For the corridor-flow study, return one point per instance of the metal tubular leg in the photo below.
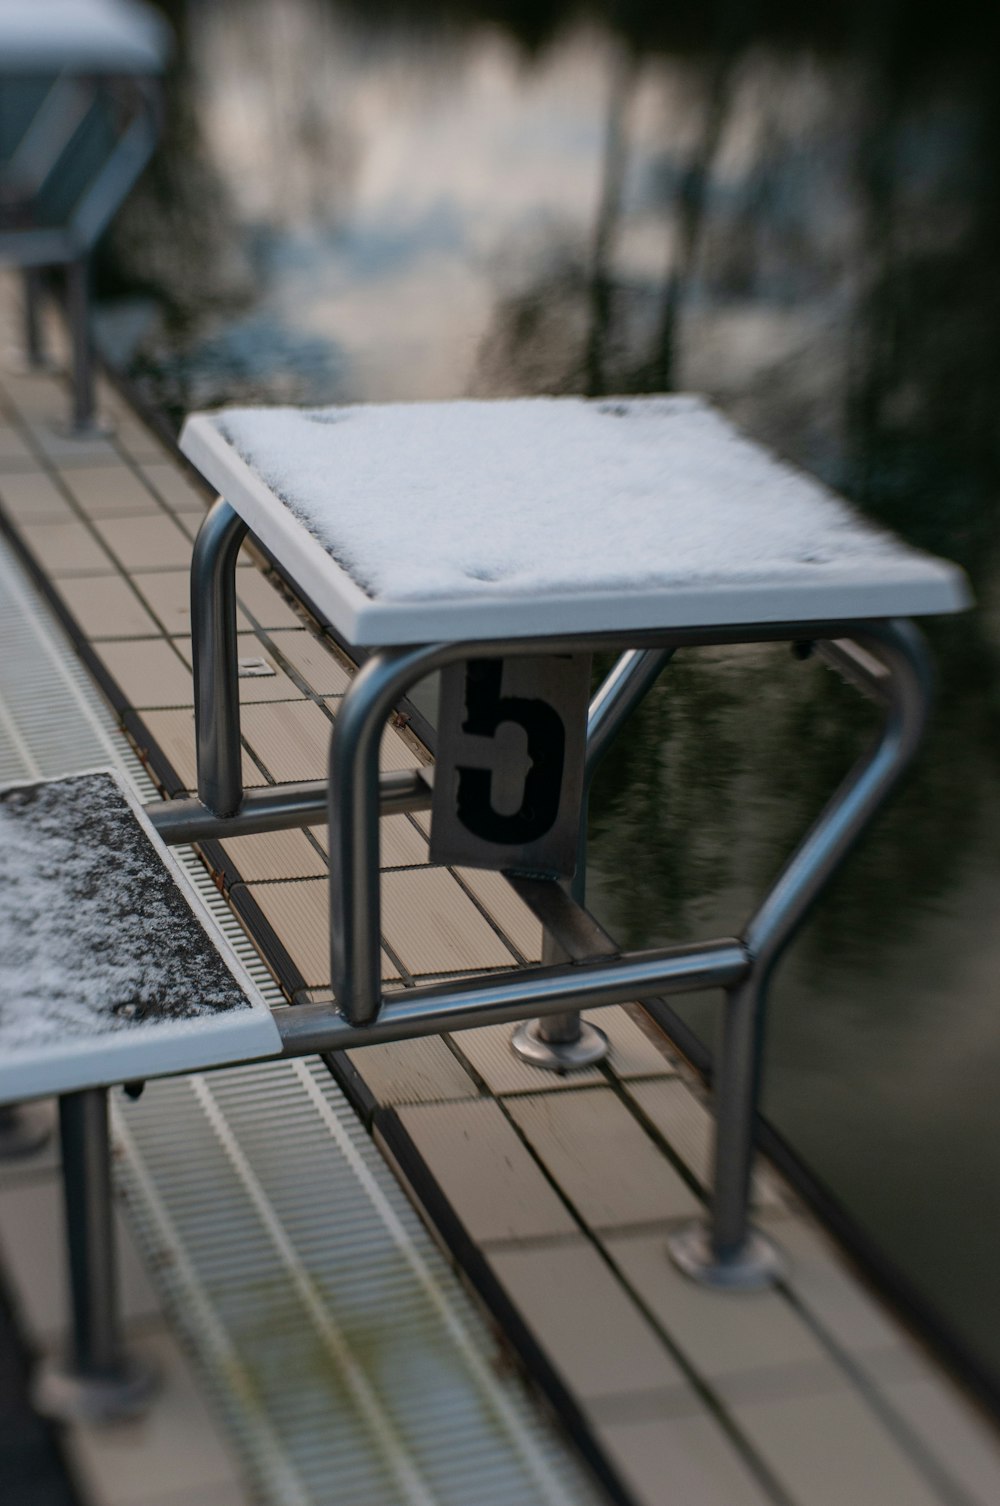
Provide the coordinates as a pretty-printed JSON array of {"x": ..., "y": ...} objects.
[
  {"x": 565, "y": 1042},
  {"x": 83, "y": 1125},
  {"x": 729, "y": 1252},
  {"x": 559, "y": 1042},
  {"x": 78, "y": 305},
  {"x": 98, "y": 1382},
  {"x": 34, "y": 349},
  {"x": 355, "y": 909},
  {"x": 216, "y": 675}
]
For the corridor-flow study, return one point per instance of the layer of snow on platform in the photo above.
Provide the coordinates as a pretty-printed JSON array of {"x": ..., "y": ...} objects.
[
  {"x": 94, "y": 935},
  {"x": 84, "y": 36},
  {"x": 552, "y": 495}
]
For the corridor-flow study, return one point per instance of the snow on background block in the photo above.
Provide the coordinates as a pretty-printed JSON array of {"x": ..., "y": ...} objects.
[
  {"x": 106, "y": 971},
  {"x": 82, "y": 36}
]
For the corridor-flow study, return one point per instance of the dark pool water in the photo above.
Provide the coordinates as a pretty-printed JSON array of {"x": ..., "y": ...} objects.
[{"x": 800, "y": 218}]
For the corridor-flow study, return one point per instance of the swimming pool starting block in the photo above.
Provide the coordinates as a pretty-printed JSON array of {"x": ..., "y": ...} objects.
[{"x": 503, "y": 543}]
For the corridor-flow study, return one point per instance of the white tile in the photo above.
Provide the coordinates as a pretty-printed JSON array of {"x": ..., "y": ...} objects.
[
  {"x": 171, "y": 1451},
  {"x": 218, "y": 1493},
  {"x": 33, "y": 497},
  {"x": 635, "y": 1052},
  {"x": 595, "y": 1150},
  {"x": 65, "y": 548},
  {"x": 962, "y": 1441},
  {"x": 132, "y": 435},
  {"x": 299, "y": 913},
  {"x": 584, "y": 1318},
  {"x": 433, "y": 926},
  {"x": 275, "y": 686},
  {"x": 149, "y": 672},
  {"x": 38, "y": 394},
  {"x": 401, "y": 844},
  {"x": 275, "y": 855},
  {"x": 830, "y": 1450},
  {"x": 722, "y": 1334},
  {"x": 509, "y": 912},
  {"x": 317, "y": 662},
  {"x": 108, "y": 491},
  {"x": 419, "y": 1071},
  {"x": 105, "y": 606},
  {"x": 827, "y": 1287},
  {"x": 173, "y": 487},
  {"x": 485, "y": 1172},
  {"x": 191, "y": 522},
  {"x": 54, "y": 436},
  {"x": 150, "y": 542},
  {"x": 173, "y": 731},
  {"x": 292, "y": 740},
  {"x": 488, "y": 1048},
  {"x": 14, "y": 453},
  {"x": 683, "y": 1461},
  {"x": 686, "y": 1124},
  {"x": 264, "y": 602},
  {"x": 33, "y": 1256}
]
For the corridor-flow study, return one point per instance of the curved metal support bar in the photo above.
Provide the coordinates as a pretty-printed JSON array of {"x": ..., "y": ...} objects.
[
  {"x": 355, "y": 909},
  {"x": 354, "y": 875},
  {"x": 892, "y": 661},
  {"x": 905, "y": 691},
  {"x": 626, "y": 684},
  {"x": 132, "y": 151},
  {"x": 216, "y": 682},
  {"x": 310, "y": 1028}
]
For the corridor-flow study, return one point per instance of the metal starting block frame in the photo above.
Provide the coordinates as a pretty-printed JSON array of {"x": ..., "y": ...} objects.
[{"x": 885, "y": 658}]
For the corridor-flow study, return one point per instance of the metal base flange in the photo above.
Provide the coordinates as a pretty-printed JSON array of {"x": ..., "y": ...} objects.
[
  {"x": 18, "y": 363},
  {"x": 590, "y": 1046},
  {"x": 66, "y": 1396},
  {"x": 756, "y": 1266},
  {"x": 25, "y": 1129},
  {"x": 101, "y": 426}
]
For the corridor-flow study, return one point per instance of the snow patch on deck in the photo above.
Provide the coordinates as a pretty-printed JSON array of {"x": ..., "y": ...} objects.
[{"x": 95, "y": 936}]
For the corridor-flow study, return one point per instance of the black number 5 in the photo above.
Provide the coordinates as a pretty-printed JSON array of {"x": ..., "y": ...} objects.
[{"x": 486, "y": 709}]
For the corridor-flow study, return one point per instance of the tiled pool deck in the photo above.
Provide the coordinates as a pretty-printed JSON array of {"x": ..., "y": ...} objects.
[{"x": 558, "y": 1191}]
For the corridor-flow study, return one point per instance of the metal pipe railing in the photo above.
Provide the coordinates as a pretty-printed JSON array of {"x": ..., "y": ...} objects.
[
  {"x": 280, "y": 807},
  {"x": 890, "y": 662},
  {"x": 886, "y": 660},
  {"x": 310, "y": 1028},
  {"x": 213, "y": 653}
]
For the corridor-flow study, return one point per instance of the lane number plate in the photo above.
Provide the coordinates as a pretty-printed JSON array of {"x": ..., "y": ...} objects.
[{"x": 509, "y": 777}]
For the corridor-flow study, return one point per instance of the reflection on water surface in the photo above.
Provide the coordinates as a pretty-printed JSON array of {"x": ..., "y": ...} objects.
[{"x": 420, "y": 201}]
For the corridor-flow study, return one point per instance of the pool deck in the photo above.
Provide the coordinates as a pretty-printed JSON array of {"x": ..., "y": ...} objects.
[{"x": 554, "y": 1195}]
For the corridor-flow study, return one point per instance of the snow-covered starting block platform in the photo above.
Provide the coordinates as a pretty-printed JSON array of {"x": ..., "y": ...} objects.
[
  {"x": 108, "y": 971},
  {"x": 411, "y": 523}
]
